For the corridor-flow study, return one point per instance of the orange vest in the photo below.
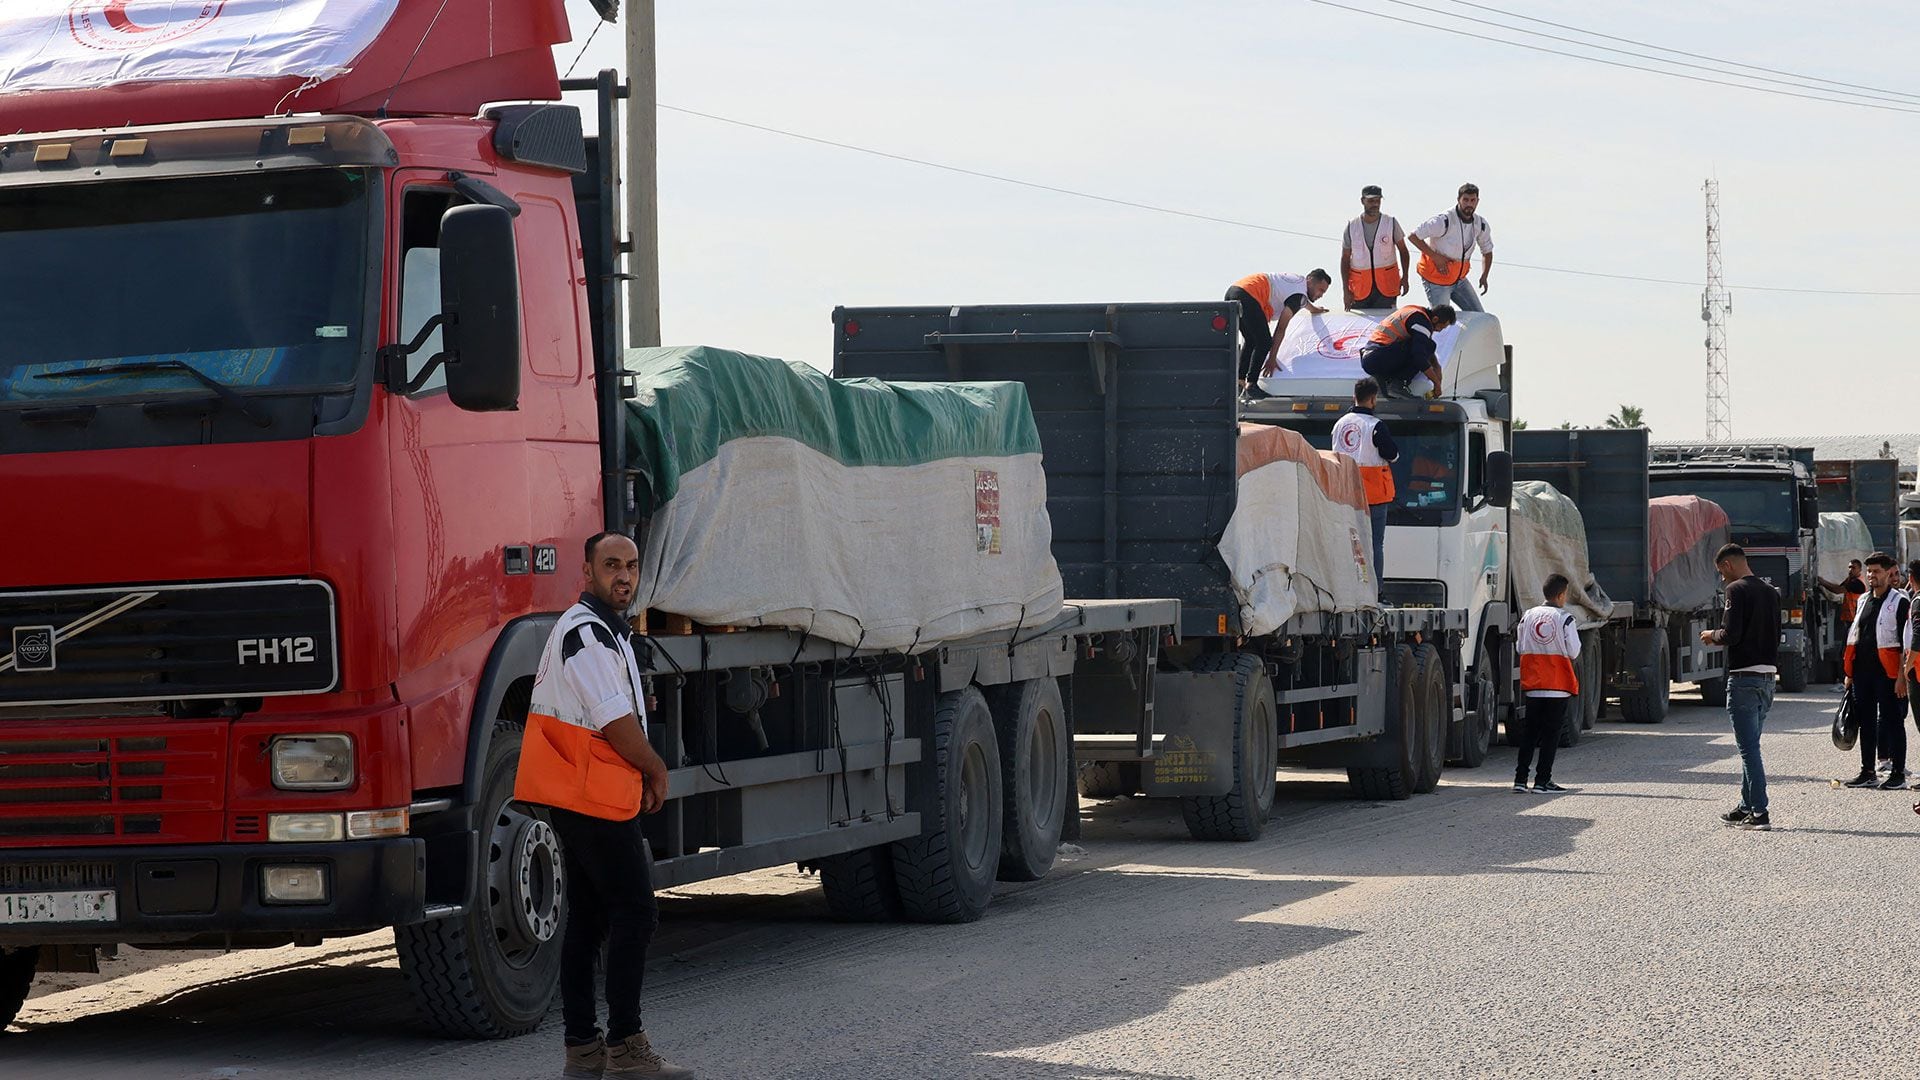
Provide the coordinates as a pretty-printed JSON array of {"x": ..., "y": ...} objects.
[
  {"x": 1546, "y": 661},
  {"x": 1353, "y": 436},
  {"x": 1395, "y": 328},
  {"x": 1456, "y": 268},
  {"x": 564, "y": 762},
  {"x": 1849, "y": 604},
  {"x": 1381, "y": 270},
  {"x": 1256, "y": 286}
]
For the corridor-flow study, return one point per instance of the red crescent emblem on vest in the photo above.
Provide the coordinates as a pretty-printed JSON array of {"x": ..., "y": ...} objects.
[{"x": 1543, "y": 631}]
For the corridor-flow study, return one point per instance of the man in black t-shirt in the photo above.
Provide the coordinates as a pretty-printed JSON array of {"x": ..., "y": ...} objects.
[{"x": 1751, "y": 633}]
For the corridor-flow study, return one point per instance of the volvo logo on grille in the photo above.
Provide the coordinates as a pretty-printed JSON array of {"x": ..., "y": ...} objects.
[{"x": 33, "y": 648}]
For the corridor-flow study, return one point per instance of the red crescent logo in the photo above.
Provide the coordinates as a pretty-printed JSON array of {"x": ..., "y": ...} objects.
[
  {"x": 106, "y": 24},
  {"x": 1543, "y": 631},
  {"x": 1344, "y": 345}
]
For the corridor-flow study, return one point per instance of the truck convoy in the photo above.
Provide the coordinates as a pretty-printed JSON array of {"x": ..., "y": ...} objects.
[
  {"x": 1652, "y": 559},
  {"x": 304, "y": 507}
]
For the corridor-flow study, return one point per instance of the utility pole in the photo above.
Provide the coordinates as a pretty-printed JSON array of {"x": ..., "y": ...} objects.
[
  {"x": 642, "y": 190},
  {"x": 1716, "y": 303}
]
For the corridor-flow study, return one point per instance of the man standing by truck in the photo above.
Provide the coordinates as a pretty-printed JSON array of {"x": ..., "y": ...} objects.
[
  {"x": 1751, "y": 633},
  {"x": 587, "y": 759},
  {"x": 1401, "y": 347},
  {"x": 1848, "y": 591},
  {"x": 1362, "y": 436},
  {"x": 1548, "y": 643},
  {"x": 1446, "y": 242},
  {"x": 1875, "y": 675},
  {"x": 1263, "y": 299},
  {"x": 1369, "y": 272}
]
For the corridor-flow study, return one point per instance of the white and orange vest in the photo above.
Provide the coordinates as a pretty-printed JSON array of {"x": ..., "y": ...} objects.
[
  {"x": 1376, "y": 268},
  {"x": 1886, "y": 634},
  {"x": 564, "y": 761},
  {"x": 1456, "y": 268},
  {"x": 1353, "y": 437},
  {"x": 1272, "y": 290},
  {"x": 1397, "y": 326},
  {"x": 1548, "y": 644}
]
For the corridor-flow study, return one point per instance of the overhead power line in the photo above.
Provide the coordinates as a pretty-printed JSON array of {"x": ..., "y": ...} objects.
[
  {"x": 1196, "y": 216},
  {"x": 1616, "y": 63}
]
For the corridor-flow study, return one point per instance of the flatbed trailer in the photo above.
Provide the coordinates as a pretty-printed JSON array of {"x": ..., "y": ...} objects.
[{"x": 1139, "y": 418}]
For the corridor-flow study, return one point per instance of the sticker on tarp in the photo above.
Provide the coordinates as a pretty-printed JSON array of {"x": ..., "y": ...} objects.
[
  {"x": 1359, "y": 556},
  {"x": 986, "y": 511}
]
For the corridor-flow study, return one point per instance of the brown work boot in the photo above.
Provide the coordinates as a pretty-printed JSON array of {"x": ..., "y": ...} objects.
[
  {"x": 635, "y": 1057},
  {"x": 586, "y": 1061}
]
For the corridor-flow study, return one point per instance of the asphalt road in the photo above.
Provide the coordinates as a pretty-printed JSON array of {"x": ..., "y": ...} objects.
[{"x": 1619, "y": 930}]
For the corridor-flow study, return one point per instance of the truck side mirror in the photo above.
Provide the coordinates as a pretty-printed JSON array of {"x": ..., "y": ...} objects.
[
  {"x": 1499, "y": 478},
  {"x": 480, "y": 299},
  {"x": 1810, "y": 509}
]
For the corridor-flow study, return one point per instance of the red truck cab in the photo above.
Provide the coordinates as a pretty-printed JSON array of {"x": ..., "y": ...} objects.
[{"x": 272, "y": 577}]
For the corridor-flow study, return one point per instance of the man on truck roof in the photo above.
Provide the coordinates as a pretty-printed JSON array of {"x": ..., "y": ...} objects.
[
  {"x": 587, "y": 759},
  {"x": 1265, "y": 298},
  {"x": 1446, "y": 242},
  {"x": 1369, "y": 273},
  {"x": 1363, "y": 437},
  {"x": 1401, "y": 347}
]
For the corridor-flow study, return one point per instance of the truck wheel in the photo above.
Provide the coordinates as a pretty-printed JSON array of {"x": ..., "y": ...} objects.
[
  {"x": 1035, "y": 761},
  {"x": 1713, "y": 693},
  {"x": 1109, "y": 779},
  {"x": 1648, "y": 705},
  {"x": 1395, "y": 781},
  {"x": 1793, "y": 672},
  {"x": 1476, "y": 742},
  {"x": 1436, "y": 713},
  {"x": 1593, "y": 680},
  {"x": 490, "y": 973},
  {"x": 859, "y": 885},
  {"x": 1241, "y": 814},
  {"x": 946, "y": 873},
  {"x": 16, "y": 978}
]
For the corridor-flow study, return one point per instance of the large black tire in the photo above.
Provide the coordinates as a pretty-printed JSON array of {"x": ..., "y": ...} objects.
[
  {"x": 1713, "y": 693},
  {"x": 1036, "y": 762},
  {"x": 1793, "y": 672},
  {"x": 1649, "y": 704},
  {"x": 16, "y": 978},
  {"x": 491, "y": 973},
  {"x": 1109, "y": 779},
  {"x": 1476, "y": 742},
  {"x": 1593, "y": 680},
  {"x": 1241, "y": 814},
  {"x": 945, "y": 874},
  {"x": 1436, "y": 715},
  {"x": 859, "y": 885},
  {"x": 1381, "y": 783}
]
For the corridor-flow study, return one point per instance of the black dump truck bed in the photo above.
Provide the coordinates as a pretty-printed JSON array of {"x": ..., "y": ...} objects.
[{"x": 1604, "y": 472}]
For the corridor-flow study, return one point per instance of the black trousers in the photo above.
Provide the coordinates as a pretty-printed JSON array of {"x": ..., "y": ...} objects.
[
  {"x": 1399, "y": 362},
  {"x": 1545, "y": 716},
  {"x": 1256, "y": 337},
  {"x": 609, "y": 901},
  {"x": 1882, "y": 716}
]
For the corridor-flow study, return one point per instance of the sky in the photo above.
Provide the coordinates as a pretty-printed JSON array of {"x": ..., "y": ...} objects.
[{"x": 1276, "y": 114}]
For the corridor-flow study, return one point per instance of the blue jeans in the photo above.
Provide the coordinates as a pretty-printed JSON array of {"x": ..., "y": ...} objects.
[
  {"x": 1748, "y": 699},
  {"x": 1378, "y": 512},
  {"x": 1460, "y": 294}
]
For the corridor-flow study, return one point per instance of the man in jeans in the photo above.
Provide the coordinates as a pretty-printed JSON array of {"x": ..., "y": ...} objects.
[
  {"x": 1447, "y": 242},
  {"x": 1362, "y": 436},
  {"x": 1752, "y": 636}
]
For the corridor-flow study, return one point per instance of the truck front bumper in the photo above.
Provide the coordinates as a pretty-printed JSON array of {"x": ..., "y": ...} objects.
[{"x": 214, "y": 893}]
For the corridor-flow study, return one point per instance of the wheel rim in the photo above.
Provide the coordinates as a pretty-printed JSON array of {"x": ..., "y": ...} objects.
[
  {"x": 971, "y": 805},
  {"x": 525, "y": 881},
  {"x": 1485, "y": 700},
  {"x": 1043, "y": 780},
  {"x": 1264, "y": 780}
]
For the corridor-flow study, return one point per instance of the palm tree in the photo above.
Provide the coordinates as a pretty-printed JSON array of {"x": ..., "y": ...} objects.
[
  {"x": 1628, "y": 416},
  {"x": 1519, "y": 425}
]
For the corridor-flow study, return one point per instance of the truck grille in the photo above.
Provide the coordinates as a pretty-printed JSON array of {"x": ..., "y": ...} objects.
[
  {"x": 148, "y": 783},
  {"x": 166, "y": 642}
]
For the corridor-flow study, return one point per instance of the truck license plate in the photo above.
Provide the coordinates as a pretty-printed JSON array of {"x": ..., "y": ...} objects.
[{"x": 58, "y": 907}]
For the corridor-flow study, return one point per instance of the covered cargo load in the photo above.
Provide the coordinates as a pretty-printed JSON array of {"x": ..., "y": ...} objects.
[
  {"x": 1843, "y": 537},
  {"x": 1683, "y": 534},
  {"x": 1320, "y": 355},
  {"x": 872, "y": 514},
  {"x": 1548, "y": 536},
  {"x": 1299, "y": 538}
]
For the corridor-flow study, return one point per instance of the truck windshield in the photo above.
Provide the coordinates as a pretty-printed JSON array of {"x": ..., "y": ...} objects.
[
  {"x": 1754, "y": 504},
  {"x": 257, "y": 281},
  {"x": 1427, "y": 476}
]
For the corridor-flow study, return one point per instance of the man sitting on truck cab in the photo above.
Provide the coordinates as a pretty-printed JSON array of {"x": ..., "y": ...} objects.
[
  {"x": 1401, "y": 347},
  {"x": 1265, "y": 298},
  {"x": 1363, "y": 437}
]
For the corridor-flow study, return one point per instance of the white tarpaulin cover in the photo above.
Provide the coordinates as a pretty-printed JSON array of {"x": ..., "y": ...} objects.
[
  {"x": 1328, "y": 347},
  {"x": 1299, "y": 539},
  {"x": 1550, "y": 537},
  {"x": 871, "y": 514},
  {"x": 72, "y": 44},
  {"x": 1843, "y": 537}
]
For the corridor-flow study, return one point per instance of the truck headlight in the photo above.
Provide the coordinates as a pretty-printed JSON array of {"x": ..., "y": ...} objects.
[{"x": 312, "y": 762}]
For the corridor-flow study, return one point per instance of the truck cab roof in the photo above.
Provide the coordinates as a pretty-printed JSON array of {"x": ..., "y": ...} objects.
[{"x": 1323, "y": 355}]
